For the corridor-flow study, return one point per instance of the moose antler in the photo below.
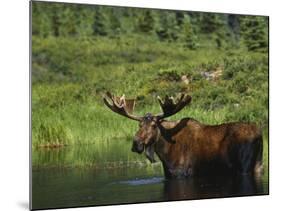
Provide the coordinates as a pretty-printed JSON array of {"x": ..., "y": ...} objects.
[
  {"x": 170, "y": 106},
  {"x": 119, "y": 106}
]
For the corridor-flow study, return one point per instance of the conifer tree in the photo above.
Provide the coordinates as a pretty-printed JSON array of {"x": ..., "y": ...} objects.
[
  {"x": 163, "y": 27},
  {"x": 233, "y": 23},
  {"x": 174, "y": 29},
  {"x": 115, "y": 23},
  {"x": 214, "y": 25},
  {"x": 211, "y": 23},
  {"x": 68, "y": 21},
  {"x": 99, "y": 25},
  {"x": 55, "y": 10},
  {"x": 254, "y": 32},
  {"x": 41, "y": 19},
  {"x": 146, "y": 21},
  {"x": 85, "y": 21},
  {"x": 168, "y": 28},
  {"x": 180, "y": 18},
  {"x": 189, "y": 36}
]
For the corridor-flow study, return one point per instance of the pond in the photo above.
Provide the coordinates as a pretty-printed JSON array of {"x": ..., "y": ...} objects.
[{"x": 109, "y": 173}]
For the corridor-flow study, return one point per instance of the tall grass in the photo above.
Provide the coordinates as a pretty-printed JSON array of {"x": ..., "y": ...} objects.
[
  {"x": 99, "y": 155},
  {"x": 86, "y": 124},
  {"x": 67, "y": 107}
]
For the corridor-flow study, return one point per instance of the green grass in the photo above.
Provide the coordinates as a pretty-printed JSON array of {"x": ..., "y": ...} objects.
[
  {"x": 67, "y": 85},
  {"x": 97, "y": 123},
  {"x": 107, "y": 154}
]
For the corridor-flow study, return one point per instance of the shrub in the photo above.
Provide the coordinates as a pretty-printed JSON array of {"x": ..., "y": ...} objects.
[{"x": 169, "y": 75}]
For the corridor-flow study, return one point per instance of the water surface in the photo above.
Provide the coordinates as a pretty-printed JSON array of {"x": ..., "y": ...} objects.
[{"x": 109, "y": 173}]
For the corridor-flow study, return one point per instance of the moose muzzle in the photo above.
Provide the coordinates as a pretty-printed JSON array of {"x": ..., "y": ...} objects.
[{"x": 137, "y": 146}]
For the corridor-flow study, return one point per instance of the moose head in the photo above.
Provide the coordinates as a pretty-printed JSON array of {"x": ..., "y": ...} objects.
[{"x": 150, "y": 128}]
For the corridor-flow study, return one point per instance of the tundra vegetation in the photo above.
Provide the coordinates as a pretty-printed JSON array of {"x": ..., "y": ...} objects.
[{"x": 81, "y": 51}]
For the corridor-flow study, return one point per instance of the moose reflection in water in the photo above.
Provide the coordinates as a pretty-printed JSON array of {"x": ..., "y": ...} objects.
[
  {"x": 212, "y": 187},
  {"x": 58, "y": 172},
  {"x": 187, "y": 147}
]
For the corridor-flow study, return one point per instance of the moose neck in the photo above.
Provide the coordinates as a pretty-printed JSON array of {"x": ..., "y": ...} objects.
[
  {"x": 167, "y": 132},
  {"x": 168, "y": 129},
  {"x": 166, "y": 138}
]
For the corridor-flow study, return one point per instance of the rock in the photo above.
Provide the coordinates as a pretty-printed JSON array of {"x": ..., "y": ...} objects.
[
  {"x": 214, "y": 75},
  {"x": 185, "y": 79}
]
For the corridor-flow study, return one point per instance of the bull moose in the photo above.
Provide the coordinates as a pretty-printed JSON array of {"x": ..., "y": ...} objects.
[{"x": 187, "y": 147}]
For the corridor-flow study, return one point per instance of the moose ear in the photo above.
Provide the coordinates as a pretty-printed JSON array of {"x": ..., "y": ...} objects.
[{"x": 149, "y": 153}]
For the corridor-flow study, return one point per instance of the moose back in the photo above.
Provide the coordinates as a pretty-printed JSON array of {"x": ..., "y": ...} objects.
[{"x": 187, "y": 147}]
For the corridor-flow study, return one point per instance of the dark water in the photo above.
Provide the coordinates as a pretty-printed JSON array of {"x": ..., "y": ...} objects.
[{"x": 100, "y": 175}]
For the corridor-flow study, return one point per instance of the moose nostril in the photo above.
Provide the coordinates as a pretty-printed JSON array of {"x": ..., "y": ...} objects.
[
  {"x": 135, "y": 144},
  {"x": 135, "y": 147}
]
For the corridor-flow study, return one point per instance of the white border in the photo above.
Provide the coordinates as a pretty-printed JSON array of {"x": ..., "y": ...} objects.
[{"x": 14, "y": 115}]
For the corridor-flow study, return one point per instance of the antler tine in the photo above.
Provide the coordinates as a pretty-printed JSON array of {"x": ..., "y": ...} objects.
[
  {"x": 118, "y": 108},
  {"x": 170, "y": 106}
]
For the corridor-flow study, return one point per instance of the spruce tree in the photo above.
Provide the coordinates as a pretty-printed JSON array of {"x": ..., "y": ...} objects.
[
  {"x": 189, "y": 36},
  {"x": 68, "y": 21},
  {"x": 215, "y": 26},
  {"x": 115, "y": 23},
  {"x": 168, "y": 28},
  {"x": 146, "y": 21},
  {"x": 35, "y": 19},
  {"x": 99, "y": 25},
  {"x": 180, "y": 18},
  {"x": 85, "y": 21},
  {"x": 41, "y": 19},
  {"x": 233, "y": 23},
  {"x": 254, "y": 32},
  {"x": 174, "y": 29},
  {"x": 211, "y": 22},
  {"x": 55, "y": 11},
  {"x": 163, "y": 27}
]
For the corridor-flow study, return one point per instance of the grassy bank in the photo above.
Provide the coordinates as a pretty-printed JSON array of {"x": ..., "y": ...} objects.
[
  {"x": 67, "y": 85},
  {"x": 96, "y": 123},
  {"x": 81, "y": 51}
]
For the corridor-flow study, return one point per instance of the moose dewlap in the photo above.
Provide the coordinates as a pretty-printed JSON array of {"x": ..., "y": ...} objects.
[{"x": 187, "y": 147}]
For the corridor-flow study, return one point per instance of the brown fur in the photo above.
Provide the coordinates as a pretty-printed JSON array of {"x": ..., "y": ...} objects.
[
  {"x": 199, "y": 148},
  {"x": 187, "y": 147}
]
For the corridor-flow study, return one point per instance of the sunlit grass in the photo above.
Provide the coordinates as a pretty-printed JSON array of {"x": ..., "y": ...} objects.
[
  {"x": 67, "y": 88},
  {"x": 89, "y": 123}
]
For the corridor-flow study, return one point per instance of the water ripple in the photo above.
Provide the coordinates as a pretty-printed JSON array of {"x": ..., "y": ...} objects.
[{"x": 146, "y": 181}]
